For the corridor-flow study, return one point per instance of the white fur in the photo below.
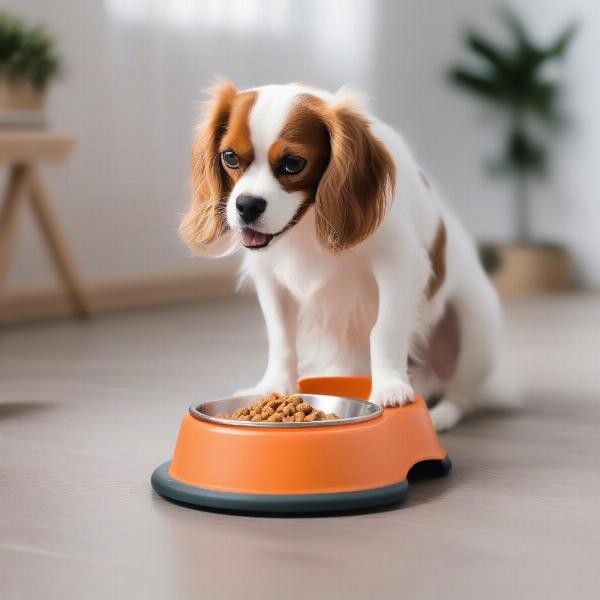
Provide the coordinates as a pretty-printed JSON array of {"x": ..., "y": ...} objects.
[{"x": 364, "y": 309}]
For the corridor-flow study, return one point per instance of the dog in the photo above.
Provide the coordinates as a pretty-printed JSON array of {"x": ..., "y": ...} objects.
[{"x": 358, "y": 264}]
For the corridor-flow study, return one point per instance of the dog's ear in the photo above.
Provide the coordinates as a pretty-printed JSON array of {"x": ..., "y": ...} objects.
[
  {"x": 205, "y": 221},
  {"x": 355, "y": 189}
]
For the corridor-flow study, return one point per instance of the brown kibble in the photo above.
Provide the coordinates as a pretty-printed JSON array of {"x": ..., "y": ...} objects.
[
  {"x": 277, "y": 408},
  {"x": 267, "y": 412}
]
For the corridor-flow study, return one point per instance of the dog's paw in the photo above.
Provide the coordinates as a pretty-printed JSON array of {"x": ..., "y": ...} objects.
[
  {"x": 445, "y": 415},
  {"x": 397, "y": 393},
  {"x": 264, "y": 388}
]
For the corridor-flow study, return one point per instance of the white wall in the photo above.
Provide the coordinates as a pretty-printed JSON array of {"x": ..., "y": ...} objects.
[{"x": 134, "y": 70}]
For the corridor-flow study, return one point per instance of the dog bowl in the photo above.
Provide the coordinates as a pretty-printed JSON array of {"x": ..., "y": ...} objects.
[{"x": 361, "y": 460}]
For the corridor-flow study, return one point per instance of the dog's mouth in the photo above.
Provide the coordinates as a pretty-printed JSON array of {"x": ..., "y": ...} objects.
[{"x": 255, "y": 239}]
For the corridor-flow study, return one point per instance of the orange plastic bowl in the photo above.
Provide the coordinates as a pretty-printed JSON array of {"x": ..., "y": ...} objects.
[{"x": 355, "y": 463}]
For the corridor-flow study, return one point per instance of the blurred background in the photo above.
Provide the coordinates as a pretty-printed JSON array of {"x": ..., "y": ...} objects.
[{"x": 132, "y": 73}]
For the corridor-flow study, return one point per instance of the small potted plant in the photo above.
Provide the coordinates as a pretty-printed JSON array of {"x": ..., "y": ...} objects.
[
  {"x": 515, "y": 80},
  {"x": 28, "y": 62}
]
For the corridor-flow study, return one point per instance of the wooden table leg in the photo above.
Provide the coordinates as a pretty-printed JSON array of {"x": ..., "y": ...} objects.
[
  {"x": 57, "y": 245},
  {"x": 9, "y": 214}
]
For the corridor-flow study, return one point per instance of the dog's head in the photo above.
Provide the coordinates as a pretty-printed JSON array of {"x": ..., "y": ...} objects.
[{"x": 264, "y": 156}]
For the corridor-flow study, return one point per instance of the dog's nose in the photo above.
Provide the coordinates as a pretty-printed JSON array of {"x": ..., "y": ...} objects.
[{"x": 250, "y": 207}]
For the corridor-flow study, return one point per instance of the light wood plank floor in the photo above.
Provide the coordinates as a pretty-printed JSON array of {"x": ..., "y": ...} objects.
[{"x": 88, "y": 411}]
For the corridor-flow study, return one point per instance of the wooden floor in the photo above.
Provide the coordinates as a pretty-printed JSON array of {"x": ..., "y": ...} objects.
[{"x": 88, "y": 411}]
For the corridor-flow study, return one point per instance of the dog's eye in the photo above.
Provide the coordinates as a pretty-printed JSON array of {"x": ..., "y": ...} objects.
[
  {"x": 230, "y": 159},
  {"x": 292, "y": 165}
]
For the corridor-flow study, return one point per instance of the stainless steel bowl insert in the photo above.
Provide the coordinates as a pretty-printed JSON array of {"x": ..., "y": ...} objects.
[{"x": 348, "y": 409}]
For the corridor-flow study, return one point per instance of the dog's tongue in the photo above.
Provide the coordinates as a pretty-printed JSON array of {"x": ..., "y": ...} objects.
[{"x": 252, "y": 238}]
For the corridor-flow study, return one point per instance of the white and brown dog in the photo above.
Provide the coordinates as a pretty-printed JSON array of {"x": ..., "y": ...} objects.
[{"x": 357, "y": 263}]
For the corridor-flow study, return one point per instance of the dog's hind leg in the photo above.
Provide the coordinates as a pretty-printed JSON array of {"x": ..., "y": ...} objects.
[{"x": 478, "y": 324}]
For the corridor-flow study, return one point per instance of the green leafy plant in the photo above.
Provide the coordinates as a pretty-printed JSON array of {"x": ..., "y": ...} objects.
[
  {"x": 27, "y": 52},
  {"x": 515, "y": 79}
]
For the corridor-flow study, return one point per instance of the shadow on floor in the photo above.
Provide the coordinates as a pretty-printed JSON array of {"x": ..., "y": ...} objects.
[{"x": 10, "y": 410}]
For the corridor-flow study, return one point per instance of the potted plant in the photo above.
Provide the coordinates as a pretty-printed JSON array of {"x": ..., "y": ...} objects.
[
  {"x": 28, "y": 62},
  {"x": 515, "y": 80}
]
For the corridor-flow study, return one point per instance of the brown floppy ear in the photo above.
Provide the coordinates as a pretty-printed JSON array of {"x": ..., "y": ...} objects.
[
  {"x": 355, "y": 189},
  {"x": 205, "y": 221}
]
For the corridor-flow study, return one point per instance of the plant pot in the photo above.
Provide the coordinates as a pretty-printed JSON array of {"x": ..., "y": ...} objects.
[
  {"x": 17, "y": 93},
  {"x": 522, "y": 269}
]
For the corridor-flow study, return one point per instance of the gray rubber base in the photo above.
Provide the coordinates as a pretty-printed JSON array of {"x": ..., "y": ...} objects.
[{"x": 172, "y": 489}]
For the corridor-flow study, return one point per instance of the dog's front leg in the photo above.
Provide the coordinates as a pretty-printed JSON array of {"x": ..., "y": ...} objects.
[
  {"x": 401, "y": 275},
  {"x": 280, "y": 313}
]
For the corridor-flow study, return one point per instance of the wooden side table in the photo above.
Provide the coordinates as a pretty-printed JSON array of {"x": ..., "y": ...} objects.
[{"x": 22, "y": 152}]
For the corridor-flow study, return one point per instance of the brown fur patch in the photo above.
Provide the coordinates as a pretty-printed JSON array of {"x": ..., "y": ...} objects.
[
  {"x": 354, "y": 190},
  {"x": 228, "y": 116},
  {"x": 437, "y": 258},
  {"x": 444, "y": 345},
  {"x": 304, "y": 135},
  {"x": 237, "y": 136}
]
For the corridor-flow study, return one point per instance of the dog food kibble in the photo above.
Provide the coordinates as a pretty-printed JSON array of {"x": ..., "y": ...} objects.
[
  {"x": 277, "y": 408},
  {"x": 267, "y": 412}
]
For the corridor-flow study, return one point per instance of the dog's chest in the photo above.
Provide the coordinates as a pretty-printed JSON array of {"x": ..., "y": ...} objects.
[
  {"x": 304, "y": 274},
  {"x": 336, "y": 292}
]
